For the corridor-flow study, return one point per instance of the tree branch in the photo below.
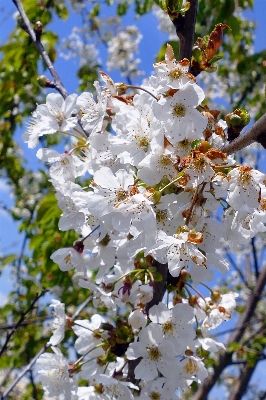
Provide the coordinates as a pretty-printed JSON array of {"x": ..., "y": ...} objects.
[
  {"x": 225, "y": 358},
  {"x": 185, "y": 29},
  {"x": 58, "y": 85},
  {"x": 158, "y": 293},
  {"x": 245, "y": 139},
  {"x": 20, "y": 376},
  {"x": 24, "y": 323},
  {"x": 240, "y": 385},
  {"x": 30, "y": 365},
  {"x": 8, "y": 337}
]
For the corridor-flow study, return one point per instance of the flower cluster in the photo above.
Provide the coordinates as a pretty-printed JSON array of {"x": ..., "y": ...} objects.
[
  {"x": 121, "y": 52},
  {"x": 158, "y": 182}
]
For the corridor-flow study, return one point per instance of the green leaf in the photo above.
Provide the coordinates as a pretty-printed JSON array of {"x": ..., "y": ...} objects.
[
  {"x": 161, "y": 4},
  {"x": 216, "y": 58},
  {"x": 61, "y": 9},
  {"x": 7, "y": 260},
  {"x": 95, "y": 10},
  {"x": 234, "y": 346},
  {"x": 122, "y": 8},
  {"x": 143, "y": 6}
]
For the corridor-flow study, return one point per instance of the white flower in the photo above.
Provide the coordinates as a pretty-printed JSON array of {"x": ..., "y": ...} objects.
[
  {"x": 159, "y": 389},
  {"x": 54, "y": 375},
  {"x": 244, "y": 187},
  {"x": 157, "y": 353},
  {"x": 121, "y": 49},
  {"x": 55, "y": 115},
  {"x": 87, "y": 341},
  {"x": 137, "y": 319},
  {"x": 93, "y": 113},
  {"x": 193, "y": 368},
  {"x": 59, "y": 322},
  {"x": 66, "y": 167},
  {"x": 221, "y": 310},
  {"x": 173, "y": 74},
  {"x": 181, "y": 119},
  {"x": 110, "y": 191},
  {"x": 156, "y": 165},
  {"x": 69, "y": 258},
  {"x": 178, "y": 250},
  {"x": 100, "y": 297},
  {"x": 175, "y": 324},
  {"x": 71, "y": 217},
  {"x": 110, "y": 389}
]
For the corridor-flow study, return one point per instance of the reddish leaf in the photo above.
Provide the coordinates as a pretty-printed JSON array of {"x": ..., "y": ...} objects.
[{"x": 215, "y": 40}]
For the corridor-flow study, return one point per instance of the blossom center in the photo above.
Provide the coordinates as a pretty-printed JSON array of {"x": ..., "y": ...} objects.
[
  {"x": 67, "y": 258},
  {"x": 244, "y": 174},
  {"x": 121, "y": 194},
  {"x": 199, "y": 163},
  {"x": 154, "y": 396},
  {"x": 168, "y": 328},
  {"x": 161, "y": 215},
  {"x": 175, "y": 73},
  {"x": 179, "y": 110},
  {"x": 143, "y": 141},
  {"x": 154, "y": 353},
  {"x": 191, "y": 367},
  {"x": 165, "y": 159}
]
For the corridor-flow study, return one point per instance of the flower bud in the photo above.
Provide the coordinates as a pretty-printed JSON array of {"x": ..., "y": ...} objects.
[
  {"x": 38, "y": 29},
  {"x": 137, "y": 319},
  {"x": 236, "y": 121}
]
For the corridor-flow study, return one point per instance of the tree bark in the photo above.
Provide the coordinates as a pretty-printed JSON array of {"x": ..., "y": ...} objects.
[
  {"x": 185, "y": 30},
  {"x": 240, "y": 386}
]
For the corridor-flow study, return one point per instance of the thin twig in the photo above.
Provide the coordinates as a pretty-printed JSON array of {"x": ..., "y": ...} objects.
[
  {"x": 37, "y": 42},
  {"x": 20, "y": 376},
  {"x": 255, "y": 258},
  {"x": 24, "y": 323},
  {"x": 81, "y": 307},
  {"x": 193, "y": 201},
  {"x": 8, "y": 337},
  {"x": 225, "y": 358},
  {"x": 249, "y": 323},
  {"x": 234, "y": 265},
  {"x": 30, "y": 365}
]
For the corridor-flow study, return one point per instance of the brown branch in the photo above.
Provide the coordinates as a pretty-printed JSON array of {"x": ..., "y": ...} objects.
[
  {"x": 158, "y": 293},
  {"x": 225, "y": 358},
  {"x": 245, "y": 139},
  {"x": 20, "y": 376},
  {"x": 24, "y": 323},
  {"x": 185, "y": 29},
  {"x": 8, "y": 337},
  {"x": 30, "y": 365},
  {"x": 58, "y": 85},
  {"x": 159, "y": 287},
  {"x": 240, "y": 385}
]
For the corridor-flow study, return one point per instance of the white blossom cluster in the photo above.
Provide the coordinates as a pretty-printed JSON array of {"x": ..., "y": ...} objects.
[
  {"x": 158, "y": 179},
  {"x": 121, "y": 52},
  {"x": 76, "y": 46},
  {"x": 165, "y": 24}
]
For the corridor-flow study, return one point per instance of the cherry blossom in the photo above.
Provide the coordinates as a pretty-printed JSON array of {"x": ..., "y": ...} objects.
[
  {"x": 55, "y": 375},
  {"x": 55, "y": 115},
  {"x": 58, "y": 323},
  {"x": 158, "y": 185}
]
